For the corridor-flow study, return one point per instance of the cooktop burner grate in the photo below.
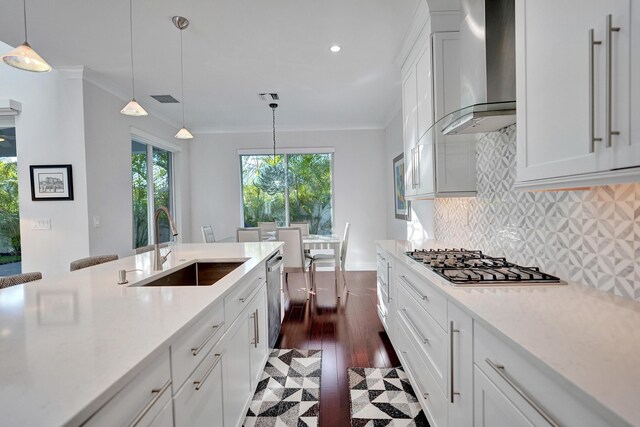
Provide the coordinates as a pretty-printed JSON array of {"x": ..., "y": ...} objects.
[{"x": 461, "y": 266}]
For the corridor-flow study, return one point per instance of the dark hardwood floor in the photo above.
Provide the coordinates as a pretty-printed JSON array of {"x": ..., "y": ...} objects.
[{"x": 349, "y": 335}]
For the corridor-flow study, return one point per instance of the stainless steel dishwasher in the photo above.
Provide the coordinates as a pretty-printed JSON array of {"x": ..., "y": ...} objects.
[{"x": 274, "y": 296}]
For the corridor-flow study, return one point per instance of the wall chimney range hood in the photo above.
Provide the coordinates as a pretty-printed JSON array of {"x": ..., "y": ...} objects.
[{"x": 487, "y": 68}]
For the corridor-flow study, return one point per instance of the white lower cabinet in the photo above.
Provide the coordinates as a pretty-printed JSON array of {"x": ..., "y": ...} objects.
[
  {"x": 144, "y": 401},
  {"x": 199, "y": 402},
  {"x": 386, "y": 292},
  {"x": 259, "y": 336},
  {"x": 460, "y": 367}
]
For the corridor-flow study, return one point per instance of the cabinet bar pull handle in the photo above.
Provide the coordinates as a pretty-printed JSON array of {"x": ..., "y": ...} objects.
[
  {"x": 424, "y": 395},
  {"x": 592, "y": 112},
  {"x": 257, "y": 327},
  {"x": 452, "y": 330},
  {"x": 157, "y": 393},
  {"x": 500, "y": 370},
  {"x": 413, "y": 287},
  {"x": 609, "y": 81},
  {"x": 200, "y": 383},
  {"x": 243, "y": 299},
  {"x": 413, "y": 326},
  {"x": 198, "y": 349},
  {"x": 418, "y": 166}
]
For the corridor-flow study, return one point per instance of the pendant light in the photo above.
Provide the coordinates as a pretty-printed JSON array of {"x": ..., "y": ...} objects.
[
  {"x": 182, "y": 23},
  {"x": 273, "y": 112},
  {"x": 132, "y": 108},
  {"x": 23, "y": 57}
]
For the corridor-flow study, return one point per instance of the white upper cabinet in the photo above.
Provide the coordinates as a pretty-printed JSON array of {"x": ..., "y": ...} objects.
[
  {"x": 573, "y": 66},
  {"x": 436, "y": 165}
]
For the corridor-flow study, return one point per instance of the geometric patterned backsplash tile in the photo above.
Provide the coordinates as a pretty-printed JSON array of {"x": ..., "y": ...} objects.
[{"x": 590, "y": 237}]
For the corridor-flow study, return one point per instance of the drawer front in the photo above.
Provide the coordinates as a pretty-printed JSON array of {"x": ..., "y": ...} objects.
[
  {"x": 240, "y": 297},
  {"x": 141, "y": 400},
  {"x": 427, "y": 336},
  {"x": 424, "y": 385},
  {"x": 199, "y": 402},
  {"x": 535, "y": 393},
  {"x": 424, "y": 293},
  {"x": 192, "y": 346}
]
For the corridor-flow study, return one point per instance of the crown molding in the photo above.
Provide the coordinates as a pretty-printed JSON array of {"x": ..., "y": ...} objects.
[
  {"x": 267, "y": 129},
  {"x": 420, "y": 19}
]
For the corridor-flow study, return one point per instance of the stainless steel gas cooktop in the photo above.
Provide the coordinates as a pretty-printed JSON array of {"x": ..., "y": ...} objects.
[{"x": 465, "y": 267}]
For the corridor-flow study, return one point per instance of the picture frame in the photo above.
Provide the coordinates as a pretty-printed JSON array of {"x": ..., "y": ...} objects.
[
  {"x": 51, "y": 182},
  {"x": 402, "y": 207}
]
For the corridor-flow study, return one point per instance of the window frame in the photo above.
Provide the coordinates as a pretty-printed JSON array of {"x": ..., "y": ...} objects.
[
  {"x": 152, "y": 142},
  {"x": 286, "y": 152}
]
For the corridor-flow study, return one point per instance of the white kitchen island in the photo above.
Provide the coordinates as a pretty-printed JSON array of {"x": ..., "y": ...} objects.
[{"x": 69, "y": 344}]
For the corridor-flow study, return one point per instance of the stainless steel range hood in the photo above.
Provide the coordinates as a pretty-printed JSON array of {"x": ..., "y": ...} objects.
[{"x": 487, "y": 68}]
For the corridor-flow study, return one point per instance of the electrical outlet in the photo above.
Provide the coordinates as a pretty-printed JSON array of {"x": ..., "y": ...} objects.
[
  {"x": 41, "y": 224},
  {"x": 96, "y": 221}
]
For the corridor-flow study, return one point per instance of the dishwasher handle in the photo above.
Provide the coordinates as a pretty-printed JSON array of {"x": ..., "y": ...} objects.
[{"x": 274, "y": 263}]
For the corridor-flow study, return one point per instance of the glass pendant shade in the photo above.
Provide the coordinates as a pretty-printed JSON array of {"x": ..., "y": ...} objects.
[
  {"x": 184, "y": 134},
  {"x": 133, "y": 109},
  {"x": 25, "y": 58}
]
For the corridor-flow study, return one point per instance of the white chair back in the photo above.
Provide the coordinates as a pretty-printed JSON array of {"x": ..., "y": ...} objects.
[
  {"x": 267, "y": 226},
  {"x": 248, "y": 235},
  {"x": 303, "y": 226},
  {"x": 207, "y": 234},
  {"x": 293, "y": 250},
  {"x": 345, "y": 244}
]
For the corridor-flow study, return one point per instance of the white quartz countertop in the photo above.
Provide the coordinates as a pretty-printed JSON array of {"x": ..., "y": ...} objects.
[
  {"x": 589, "y": 339},
  {"x": 68, "y": 342}
]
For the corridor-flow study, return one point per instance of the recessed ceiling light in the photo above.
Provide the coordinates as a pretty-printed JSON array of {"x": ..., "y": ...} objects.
[{"x": 335, "y": 48}]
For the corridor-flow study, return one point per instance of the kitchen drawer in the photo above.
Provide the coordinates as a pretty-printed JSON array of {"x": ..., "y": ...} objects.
[
  {"x": 192, "y": 346},
  {"x": 424, "y": 293},
  {"x": 428, "y": 337},
  {"x": 425, "y": 387},
  {"x": 382, "y": 315},
  {"x": 200, "y": 402},
  {"x": 239, "y": 298},
  {"x": 535, "y": 393},
  {"x": 142, "y": 400}
]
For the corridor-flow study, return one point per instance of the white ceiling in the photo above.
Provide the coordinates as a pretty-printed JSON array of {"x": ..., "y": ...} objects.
[{"x": 234, "y": 49}]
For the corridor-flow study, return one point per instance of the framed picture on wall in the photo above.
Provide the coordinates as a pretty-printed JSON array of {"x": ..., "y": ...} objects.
[
  {"x": 402, "y": 207},
  {"x": 51, "y": 182}
]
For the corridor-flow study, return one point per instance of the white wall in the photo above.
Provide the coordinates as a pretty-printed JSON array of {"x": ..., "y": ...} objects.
[
  {"x": 360, "y": 173},
  {"x": 421, "y": 226},
  {"x": 108, "y": 157},
  {"x": 49, "y": 131}
]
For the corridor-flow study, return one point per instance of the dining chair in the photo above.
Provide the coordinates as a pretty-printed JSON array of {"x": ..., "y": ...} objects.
[
  {"x": 207, "y": 234},
  {"x": 293, "y": 258},
  {"x": 303, "y": 226},
  {"x": 18, "y": 279},
  {"x": 91, "y": 261},
  {"x": 149, "y": 248},
  {"x": 325, "y": 259},
  {"x": 248, "y": 235},
  {"x": 266, "y": 227}
]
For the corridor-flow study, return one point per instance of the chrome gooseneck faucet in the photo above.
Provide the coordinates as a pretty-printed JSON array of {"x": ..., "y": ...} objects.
[{"x": 158, "y": 260}]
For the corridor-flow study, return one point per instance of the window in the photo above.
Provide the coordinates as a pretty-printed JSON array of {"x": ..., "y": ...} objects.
[
  {"x": 152, "y": 184},
  {"x": 288, "y": 188},
  {"x": 10, "y": 246}
]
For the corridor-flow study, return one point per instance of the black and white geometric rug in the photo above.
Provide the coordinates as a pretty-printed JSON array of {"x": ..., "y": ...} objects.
[
  {"x": 288, "y": 393},
  {"x": 383, "y": 397}
]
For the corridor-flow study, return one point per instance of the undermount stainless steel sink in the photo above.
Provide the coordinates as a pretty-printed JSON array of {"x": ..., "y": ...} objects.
[{"x": 198, "y": 274}]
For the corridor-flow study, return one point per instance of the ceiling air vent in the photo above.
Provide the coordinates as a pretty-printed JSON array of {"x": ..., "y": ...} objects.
[
  {"x": 269, "y": 96},
  {"x": 165, "y": 99}
]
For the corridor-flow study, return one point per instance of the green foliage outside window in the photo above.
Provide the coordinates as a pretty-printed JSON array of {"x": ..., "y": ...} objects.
[
  {"x": 307, "y": 177},
  {"x": 9, "y": 209}
]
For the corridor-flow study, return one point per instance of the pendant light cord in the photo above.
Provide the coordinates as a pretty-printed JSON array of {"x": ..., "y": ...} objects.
[
  {"x": 133, "y": 85},
  {"x": 181, "y": 77},
  {"x": 273, "y": 110},
  {"x": 24, "y": 9}
]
